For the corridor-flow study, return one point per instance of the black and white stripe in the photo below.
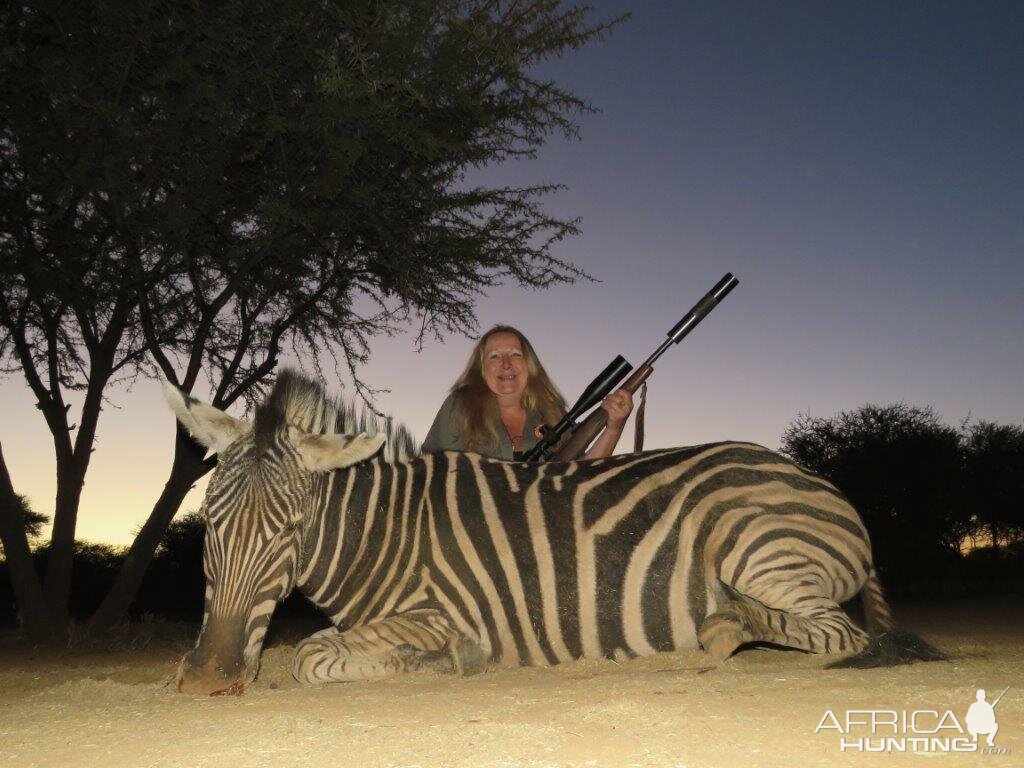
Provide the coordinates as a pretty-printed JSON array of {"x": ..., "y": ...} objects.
[{"x": 538, "y": 564}]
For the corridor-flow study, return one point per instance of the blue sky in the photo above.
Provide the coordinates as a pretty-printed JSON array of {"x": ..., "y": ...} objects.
[{"x": 859, "y": 166}]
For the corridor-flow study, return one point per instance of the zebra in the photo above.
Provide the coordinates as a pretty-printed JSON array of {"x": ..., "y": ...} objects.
[{"x": 452, "y": 561}]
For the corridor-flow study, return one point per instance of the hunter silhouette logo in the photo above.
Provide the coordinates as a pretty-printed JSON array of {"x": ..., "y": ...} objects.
[
  {"x": 981, "y": 717},
  {"x": 918, "y": 730}
]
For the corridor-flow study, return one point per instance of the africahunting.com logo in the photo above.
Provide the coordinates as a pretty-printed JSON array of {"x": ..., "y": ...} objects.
[{"x": 917, "y": 730}]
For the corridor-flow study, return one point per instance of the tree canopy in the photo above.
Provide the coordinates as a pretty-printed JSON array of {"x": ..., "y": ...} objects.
[
  {"x": 923, "y": 488},
  {"x": 994, "y": 479},
  {"x": 199, "y": 187}
]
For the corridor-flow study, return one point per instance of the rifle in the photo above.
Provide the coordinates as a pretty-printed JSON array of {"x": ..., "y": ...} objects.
[
  {"x": 1000, "y": 697},
  {"x": 583, "y": 434}
]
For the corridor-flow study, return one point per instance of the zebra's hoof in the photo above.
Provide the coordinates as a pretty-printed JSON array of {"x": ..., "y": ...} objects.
[
  {"x": 720, "y": 636},
  {"x": 467, "y": 658}
]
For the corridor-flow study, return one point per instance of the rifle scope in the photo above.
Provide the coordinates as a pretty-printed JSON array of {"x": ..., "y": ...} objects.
[{"x": 596, "y": 391}]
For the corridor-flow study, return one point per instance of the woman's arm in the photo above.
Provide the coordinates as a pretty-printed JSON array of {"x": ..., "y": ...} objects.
[{"x": 618, "y": 405}]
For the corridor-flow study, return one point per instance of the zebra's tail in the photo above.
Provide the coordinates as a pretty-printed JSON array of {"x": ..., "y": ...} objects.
[{"x": 888, "y": 645}]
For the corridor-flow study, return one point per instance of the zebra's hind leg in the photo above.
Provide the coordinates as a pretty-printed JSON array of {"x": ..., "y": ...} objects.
[
  {"x": 809, "y": 622},
  {"x": 421, "y": 639},
  {"x": 725, "y": 630}
]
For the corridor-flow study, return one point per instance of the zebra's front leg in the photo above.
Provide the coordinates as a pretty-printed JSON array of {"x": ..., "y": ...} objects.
[{"x": 421, "y": 639}]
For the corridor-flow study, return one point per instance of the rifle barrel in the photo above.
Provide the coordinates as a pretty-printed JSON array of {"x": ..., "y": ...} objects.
[
  {"x": 1000, "y": 696},
  {"x": 699, "y": 311}
]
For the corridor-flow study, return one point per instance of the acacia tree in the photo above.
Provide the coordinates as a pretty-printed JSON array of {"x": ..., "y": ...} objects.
[
  {"x": 900, "y": 467},
  {"x": 994, "y": 481},
  {"x": 68, "y": 316},
  {"x": 216, "y": 183}
]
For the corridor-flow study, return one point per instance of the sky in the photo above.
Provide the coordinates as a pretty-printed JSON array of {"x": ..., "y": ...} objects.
[{"x": 859, "y": 166}]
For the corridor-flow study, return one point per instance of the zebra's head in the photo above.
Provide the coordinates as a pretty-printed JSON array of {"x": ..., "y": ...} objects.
[{"x": 255, "y": 508}]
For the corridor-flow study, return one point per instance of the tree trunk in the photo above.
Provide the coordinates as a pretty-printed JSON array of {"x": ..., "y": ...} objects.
[
  {"x": 28, "y": 592},
  {"x": 187, "y": 468},
  {"x": 60, "y": 558},
  {"x": 72, "y": 466}
]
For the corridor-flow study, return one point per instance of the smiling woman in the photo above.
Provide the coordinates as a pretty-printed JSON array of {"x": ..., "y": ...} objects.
[{"x": 502, "y": 399}]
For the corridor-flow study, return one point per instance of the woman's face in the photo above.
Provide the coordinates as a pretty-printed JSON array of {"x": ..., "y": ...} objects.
[{"x": 504, "y": 365}]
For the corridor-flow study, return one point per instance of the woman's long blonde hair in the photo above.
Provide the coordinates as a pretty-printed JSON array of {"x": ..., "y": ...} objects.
[{"x": 477, "y": 407}]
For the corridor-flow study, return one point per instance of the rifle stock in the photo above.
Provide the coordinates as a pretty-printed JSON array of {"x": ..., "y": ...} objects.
[{"x": 591, "y": 427}]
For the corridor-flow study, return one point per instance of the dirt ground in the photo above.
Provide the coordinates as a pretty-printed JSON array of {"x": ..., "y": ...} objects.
[{"x": 115, "y": 708}]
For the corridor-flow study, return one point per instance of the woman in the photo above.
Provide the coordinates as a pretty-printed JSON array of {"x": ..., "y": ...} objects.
[{"x": 502, "y": 398}]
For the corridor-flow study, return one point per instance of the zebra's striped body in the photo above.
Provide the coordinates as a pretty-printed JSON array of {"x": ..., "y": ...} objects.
[
  {"x": 543, "y": 563},
  {"x": 451, "y": 560}
]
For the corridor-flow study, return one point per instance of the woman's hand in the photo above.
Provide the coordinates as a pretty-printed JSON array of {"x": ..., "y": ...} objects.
[{"x": 618, "y": 406}]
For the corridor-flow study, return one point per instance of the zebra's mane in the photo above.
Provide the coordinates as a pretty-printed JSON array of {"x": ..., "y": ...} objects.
[{"x": 303, "y": 403}]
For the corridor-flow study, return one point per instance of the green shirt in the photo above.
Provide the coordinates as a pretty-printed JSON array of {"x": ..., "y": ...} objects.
[{"x": 444, "y": 433}]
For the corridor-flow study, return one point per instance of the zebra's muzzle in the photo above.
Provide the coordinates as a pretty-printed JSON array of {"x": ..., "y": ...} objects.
[
  {"x": 216, "y": 666},
  {"x": 211, "y": 679}
]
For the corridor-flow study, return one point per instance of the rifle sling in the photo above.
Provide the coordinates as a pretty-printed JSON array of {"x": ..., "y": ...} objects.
[{"x": 638, "y": 425}]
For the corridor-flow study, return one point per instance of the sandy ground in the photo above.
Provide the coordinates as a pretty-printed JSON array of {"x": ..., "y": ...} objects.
[{"x": 114, "y": 708}]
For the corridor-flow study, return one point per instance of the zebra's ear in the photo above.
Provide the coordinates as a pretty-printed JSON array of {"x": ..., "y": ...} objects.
[
  {"x": 322, "y": 453},
  {"x": 210, "y": 426}
]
